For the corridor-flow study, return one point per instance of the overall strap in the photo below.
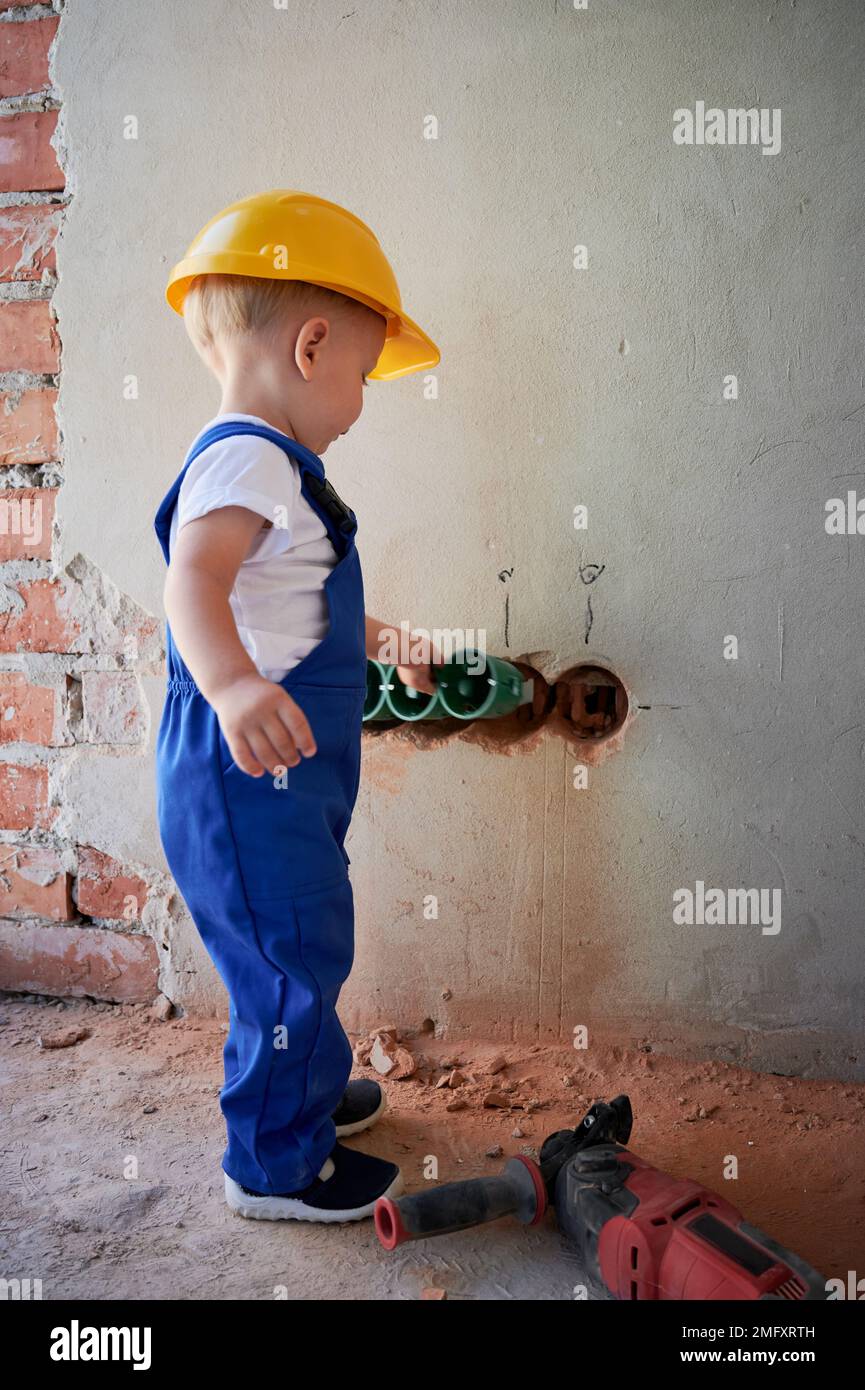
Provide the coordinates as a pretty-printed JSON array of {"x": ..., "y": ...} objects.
[{"x": 337, "y": 517}]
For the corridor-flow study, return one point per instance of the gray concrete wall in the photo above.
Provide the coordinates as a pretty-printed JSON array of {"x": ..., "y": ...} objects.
[{"x": 557, "y": 387}]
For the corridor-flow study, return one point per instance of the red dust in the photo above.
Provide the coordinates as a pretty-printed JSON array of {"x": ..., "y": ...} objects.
[{"x": 73, "y": 1214}]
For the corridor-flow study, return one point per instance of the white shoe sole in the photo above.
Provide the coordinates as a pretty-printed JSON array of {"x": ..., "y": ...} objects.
[
  {"x": 290, "y": 1209},
  {"x": 343, "y": 1130}
]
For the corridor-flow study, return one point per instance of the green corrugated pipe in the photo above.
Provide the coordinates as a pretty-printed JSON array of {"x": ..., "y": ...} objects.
[
  {"x": 467, "y": 694},
  {"x": 375, "y": 704},
  {"x": 462, "y": 692},
  {"x": 408, "y": 704}
]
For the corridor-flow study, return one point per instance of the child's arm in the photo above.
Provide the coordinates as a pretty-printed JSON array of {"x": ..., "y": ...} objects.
[
  {"x": 263, "y": 726},
  {"x": 417, "y": 672}
]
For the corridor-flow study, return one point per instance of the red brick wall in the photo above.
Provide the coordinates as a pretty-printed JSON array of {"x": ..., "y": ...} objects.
[{"x": 70, "y": 915}]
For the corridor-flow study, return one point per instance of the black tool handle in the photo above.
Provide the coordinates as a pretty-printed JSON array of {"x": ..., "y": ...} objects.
[{"x": 518, "y": 1190}]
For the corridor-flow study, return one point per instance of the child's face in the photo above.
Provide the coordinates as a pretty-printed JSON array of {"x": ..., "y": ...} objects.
[{"x": 333, "y": 355}]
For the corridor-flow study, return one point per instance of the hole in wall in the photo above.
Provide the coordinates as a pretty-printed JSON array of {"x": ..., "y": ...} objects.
[
  {"x": 593, "y": 701},
  {"x": 587, "y": 702}
]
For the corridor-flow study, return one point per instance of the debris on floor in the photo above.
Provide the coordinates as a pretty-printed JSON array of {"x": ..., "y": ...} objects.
[
  {"x": 110, "y": 1178},
  {"x": 67, "y": 1038}
]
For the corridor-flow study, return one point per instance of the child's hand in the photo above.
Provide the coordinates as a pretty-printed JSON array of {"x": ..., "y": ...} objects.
[
  {"x": 419, "y": 677},
  {"x": 418, "y": 674},
  {"x": 264, "y": 728}
]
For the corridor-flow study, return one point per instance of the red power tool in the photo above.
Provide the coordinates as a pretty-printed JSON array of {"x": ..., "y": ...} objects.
[{"x": 641, "y": 1233}]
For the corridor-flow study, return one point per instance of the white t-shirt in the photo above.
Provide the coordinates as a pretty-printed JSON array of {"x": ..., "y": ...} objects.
[{"x": 278, "y": 600}]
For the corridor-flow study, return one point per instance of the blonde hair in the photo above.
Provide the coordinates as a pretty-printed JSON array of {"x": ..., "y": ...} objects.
[{"x": 218, "y": 306}]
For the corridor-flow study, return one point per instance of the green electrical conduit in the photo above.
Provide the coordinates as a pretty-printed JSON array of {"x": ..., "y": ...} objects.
[{"x": 463, "y": 691}]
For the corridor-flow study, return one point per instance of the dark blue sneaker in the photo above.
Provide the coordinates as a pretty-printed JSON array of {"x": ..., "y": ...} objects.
[
  {"x": 362, "y": 1104},
  {"x": 347, "y": 1189}
]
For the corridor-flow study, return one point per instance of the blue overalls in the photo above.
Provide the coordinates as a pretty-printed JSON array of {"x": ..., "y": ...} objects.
[{"x": 261, "y": 864}]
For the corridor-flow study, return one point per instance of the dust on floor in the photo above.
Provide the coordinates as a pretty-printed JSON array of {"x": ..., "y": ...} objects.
[{"x": 111, "y": 1186}]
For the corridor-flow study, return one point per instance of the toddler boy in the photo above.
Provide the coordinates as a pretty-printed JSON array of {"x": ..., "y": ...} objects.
[{"x": 290, "y": 302}]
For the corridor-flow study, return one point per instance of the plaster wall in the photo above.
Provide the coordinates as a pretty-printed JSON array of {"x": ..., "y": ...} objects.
[{"x": 557, "y": 387}]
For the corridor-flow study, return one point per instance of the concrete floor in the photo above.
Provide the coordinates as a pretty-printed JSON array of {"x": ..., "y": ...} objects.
[{"x": 136, "y": 1091}]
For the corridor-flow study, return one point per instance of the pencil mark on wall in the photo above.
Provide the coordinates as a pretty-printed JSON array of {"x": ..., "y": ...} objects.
[
  {"x": 589, "y": 573},
  {"x": 769, "y": 447},
  {"x": 504, "y": 576}
]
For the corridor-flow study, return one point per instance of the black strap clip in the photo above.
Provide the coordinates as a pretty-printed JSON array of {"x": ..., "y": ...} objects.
[{"x": 329, "y": 500}]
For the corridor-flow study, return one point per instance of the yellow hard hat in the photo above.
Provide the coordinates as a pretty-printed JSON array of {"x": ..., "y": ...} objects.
[{"x": 288, "y": 235}]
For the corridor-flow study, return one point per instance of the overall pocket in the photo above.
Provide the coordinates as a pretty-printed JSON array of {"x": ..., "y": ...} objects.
[
  {"x": 328, "y": 712},
  {"x": 289, "y": 828}
]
